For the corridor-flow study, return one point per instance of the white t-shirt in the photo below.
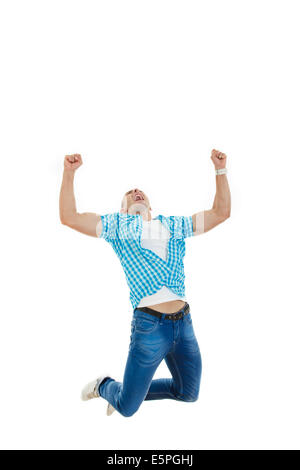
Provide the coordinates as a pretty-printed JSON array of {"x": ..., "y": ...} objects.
[{"x": 155, "y": 237}]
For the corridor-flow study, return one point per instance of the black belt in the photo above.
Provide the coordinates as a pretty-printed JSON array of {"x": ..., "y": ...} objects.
[{"x": 168, "y": 316}]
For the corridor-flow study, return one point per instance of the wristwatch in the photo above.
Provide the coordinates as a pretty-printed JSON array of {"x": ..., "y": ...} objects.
[{"x": 221, "y": 171}]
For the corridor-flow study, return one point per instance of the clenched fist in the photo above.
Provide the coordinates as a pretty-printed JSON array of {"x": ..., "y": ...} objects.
[
  {"x": 218, "y": 158},
  {"x": 72, "y": 162}
]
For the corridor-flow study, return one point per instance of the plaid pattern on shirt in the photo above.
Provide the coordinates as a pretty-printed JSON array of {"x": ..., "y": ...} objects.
[{"x": 145, "y": 271}]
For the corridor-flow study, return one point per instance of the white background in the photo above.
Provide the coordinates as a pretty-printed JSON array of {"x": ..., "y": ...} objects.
[{"x": 144, "y": 90}]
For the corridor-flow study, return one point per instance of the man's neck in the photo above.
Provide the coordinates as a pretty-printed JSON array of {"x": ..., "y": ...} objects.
[{"x": 146, "y": 214}]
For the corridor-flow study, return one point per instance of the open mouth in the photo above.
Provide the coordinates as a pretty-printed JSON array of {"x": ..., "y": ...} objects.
[{"x": 138, "y": 197}]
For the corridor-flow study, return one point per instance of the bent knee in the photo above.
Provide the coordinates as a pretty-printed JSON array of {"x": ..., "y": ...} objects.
[
  {"x": 127, "y": 413},
  {"x": 190, "y": 397}
]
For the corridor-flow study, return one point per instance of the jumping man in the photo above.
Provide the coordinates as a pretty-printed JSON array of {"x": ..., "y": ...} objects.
[{"x": 151, "y": 251}]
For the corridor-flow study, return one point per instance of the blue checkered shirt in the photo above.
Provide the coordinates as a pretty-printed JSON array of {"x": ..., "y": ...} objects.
[{"x": 145, "y": 271}]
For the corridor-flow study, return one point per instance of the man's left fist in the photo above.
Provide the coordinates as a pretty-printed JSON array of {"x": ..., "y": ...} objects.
[{"x": 218, "y": 158}]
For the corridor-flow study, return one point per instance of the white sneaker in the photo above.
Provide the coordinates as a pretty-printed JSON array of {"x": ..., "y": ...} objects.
[
  {"x": 110, "y": 409},
  {"x": 91, "y": 390}
]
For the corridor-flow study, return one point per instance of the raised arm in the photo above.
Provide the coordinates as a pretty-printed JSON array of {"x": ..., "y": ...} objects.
[
  {"x": 206, "y": 220},
  {"x": 87, "y": 222}
]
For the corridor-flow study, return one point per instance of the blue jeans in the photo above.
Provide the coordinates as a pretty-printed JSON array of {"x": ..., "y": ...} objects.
[{"x": 152, "y": 340}]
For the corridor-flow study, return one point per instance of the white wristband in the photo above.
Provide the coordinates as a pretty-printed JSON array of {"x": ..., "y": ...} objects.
[{"x": 221, "y": 171}]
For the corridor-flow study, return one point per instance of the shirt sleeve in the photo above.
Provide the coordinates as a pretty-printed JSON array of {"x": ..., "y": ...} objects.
[
  {"x": 183, "y": 226},
  {"x": 109, "y": 226}
]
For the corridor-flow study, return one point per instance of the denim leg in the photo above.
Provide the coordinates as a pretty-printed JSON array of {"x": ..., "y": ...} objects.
[
  {"x": 146, "y": 351},
  {"x": 185, "y": 364},
  {"x": 127, "y": 397}
]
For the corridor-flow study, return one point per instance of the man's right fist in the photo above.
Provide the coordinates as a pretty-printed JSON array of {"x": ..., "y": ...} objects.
[{"x": 72, "y": 162}]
